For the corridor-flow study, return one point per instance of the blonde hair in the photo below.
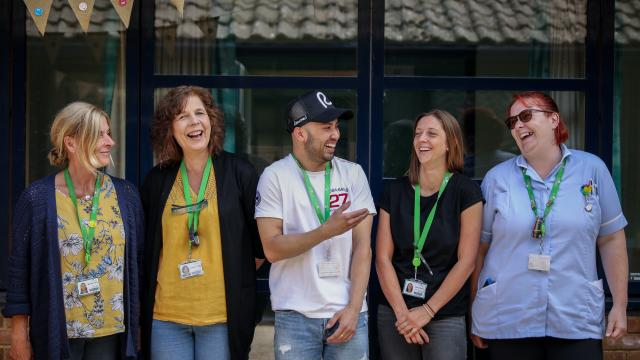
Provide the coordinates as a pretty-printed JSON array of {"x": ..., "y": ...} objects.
[
  {"x": 455, "y": 144},
  {"x": 80, "y": 121}
]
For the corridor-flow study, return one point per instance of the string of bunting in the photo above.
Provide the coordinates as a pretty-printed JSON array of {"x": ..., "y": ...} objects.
[{"x": 82, "y": 9}]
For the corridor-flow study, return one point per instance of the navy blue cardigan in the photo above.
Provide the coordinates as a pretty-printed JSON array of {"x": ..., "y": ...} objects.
[{"x": 35, "y": 280}]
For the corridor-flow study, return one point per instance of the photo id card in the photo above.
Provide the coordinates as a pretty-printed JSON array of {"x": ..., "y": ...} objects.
[
  {"x": 328, "y": 269},
  {"x": 415, "y": 288},
  {"x": 539, "y": 262},
  {"x": 88, "y": 287},
  {"x": 190, "y": 269}
]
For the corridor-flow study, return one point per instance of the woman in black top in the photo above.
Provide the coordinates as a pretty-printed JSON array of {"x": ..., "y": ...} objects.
[{"x": 425, "y": 280}]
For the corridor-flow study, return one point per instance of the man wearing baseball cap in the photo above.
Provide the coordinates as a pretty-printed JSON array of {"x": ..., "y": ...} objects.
[{"x": 313, "y": 212}]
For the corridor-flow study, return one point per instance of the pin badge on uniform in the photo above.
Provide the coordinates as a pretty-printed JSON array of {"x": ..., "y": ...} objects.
[
  {"x": 83, "y": 6},
  {"x": 38, "y": 11},
  {"x": 587, "y": 191}
]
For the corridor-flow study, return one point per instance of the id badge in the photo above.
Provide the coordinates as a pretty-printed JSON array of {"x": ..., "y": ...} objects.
[
  {"x": 328, "y": 269},
  {"x": 539, "y": 262},
  {"x": 190, "y": 269},
  {"x": 88, "y": 287},
  {"x": 415, "y": 288}
]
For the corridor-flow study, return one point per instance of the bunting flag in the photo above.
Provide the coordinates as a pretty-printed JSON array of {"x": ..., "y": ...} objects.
[
  {"x": 39, "y": 11},
  {"x": 179, "y": 4},
  {"x": 83, "y": 10},
  {"x": 123, "y": 8}
]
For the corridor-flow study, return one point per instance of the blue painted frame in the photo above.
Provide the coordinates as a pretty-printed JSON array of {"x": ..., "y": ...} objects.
[
  {"x": 5, "y": 126},
  {"x": 149, "y": 81},
  {"x": 133, "y": 65},
  {"x": 15, "y": 120}
]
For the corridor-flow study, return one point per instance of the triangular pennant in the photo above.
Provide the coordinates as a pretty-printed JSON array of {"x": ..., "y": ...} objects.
[
  {"x": 82, "y": 9},
  {"x": 123, "y": 8},
  {"x": 39, "y": 11},
  {"x": 179, "y": 4}
]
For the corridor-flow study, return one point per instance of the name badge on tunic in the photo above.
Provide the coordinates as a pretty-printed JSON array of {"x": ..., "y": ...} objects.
[
  {"x": 190, "y": 269},
  {"x": 539, "y": 262},
  {"x": 328, "y": 269},
  {"x": 88, "y": 287},
  {"x": 415, "y": 288}
]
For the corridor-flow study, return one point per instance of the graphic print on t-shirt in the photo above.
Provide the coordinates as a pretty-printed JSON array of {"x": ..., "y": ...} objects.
[{"x": 338, "y": 197}]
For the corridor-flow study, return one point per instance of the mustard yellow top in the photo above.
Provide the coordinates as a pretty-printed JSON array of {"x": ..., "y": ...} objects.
[
  {"x": 198, "y": 300},
  {"x": 101, "y": 313}
]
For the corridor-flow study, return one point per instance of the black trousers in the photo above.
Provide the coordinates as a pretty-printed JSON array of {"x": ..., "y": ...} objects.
[{"x": 545, "y": 348}]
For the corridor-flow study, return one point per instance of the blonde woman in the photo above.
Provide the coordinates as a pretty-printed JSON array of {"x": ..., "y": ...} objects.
[{"x": 73, "y": 272}]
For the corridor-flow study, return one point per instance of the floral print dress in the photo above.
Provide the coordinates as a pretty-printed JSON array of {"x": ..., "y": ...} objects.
[{"x": 101, "y": 313}]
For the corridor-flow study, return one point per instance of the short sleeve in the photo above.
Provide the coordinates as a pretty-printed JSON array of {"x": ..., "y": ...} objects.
[
  {"x": 361, "y": 196},
  {"x": 269, "y": 196},
  {"x": 470, "y": 193},
  {"x": 384, "y": 202},
  {"x": 612, "y": 218},
  {"x": 489, "y": 210}
]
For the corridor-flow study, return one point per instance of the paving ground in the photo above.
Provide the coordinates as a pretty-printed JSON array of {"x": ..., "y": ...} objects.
[{"x": 262, "y": 347}]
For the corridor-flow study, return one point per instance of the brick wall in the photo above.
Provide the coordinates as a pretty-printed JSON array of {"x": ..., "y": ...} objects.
[
  {"x": 5, "y": 338},
  {"x": 628, "y": 347}
]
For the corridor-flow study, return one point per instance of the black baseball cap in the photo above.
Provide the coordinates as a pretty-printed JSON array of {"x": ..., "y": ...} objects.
[{"x": 314, "y": 106}]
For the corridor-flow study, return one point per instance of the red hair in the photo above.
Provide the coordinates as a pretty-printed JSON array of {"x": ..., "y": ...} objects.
[{"x": 546, "y": 103}]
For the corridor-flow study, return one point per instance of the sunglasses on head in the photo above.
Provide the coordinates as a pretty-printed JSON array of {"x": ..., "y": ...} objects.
[{"x": 524, "y": 116}]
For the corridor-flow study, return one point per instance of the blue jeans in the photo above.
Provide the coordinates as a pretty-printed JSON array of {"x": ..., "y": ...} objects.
[
  {"x": 173, "y": 341},
  {"x": 298, "y": 337},
  {"x": 447, "y": 339}
]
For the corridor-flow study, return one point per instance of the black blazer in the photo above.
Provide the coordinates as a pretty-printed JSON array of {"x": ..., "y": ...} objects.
[{"x": 236, "y": 181}]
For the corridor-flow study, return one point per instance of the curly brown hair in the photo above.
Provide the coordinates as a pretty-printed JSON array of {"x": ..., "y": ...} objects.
[{"x": 165, "y": 148}]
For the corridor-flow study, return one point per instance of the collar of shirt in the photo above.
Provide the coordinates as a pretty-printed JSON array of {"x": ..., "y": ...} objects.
[{"x": 522, "y": 163}]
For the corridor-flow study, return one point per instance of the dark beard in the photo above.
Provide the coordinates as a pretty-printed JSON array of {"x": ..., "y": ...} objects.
[{"x": 316, "y": 153}]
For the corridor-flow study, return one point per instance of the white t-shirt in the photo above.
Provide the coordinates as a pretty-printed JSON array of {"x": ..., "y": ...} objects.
[{"x": 294, "y": 282}]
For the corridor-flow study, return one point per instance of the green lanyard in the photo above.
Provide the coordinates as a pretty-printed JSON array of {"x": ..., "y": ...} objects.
[
  {"x": 87, "y": 234},
  {"x": 539, "y": 227},
  {"x": 418, "y": 237},
  {"x": 193, "y": 213},
  {"x": 313, "y": 197}
]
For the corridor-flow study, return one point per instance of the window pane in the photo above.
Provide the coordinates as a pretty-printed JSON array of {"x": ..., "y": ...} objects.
[
  {"x": 256, "y": 37},
  {"x": 626, "y": 148},
  {"x": 480, "y": 113},
  {"x": 538, "y": 39},
  {"x": 65, "y": 66},
  {"x": 255, "y": 122}
]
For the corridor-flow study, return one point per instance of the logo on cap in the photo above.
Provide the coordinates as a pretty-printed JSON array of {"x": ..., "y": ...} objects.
[
  {"x": 298, "y": 121},
  {"x": 322, "y": 98}
]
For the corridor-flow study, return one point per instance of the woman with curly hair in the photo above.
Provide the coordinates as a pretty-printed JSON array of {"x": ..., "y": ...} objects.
[{"x": 202, "y": 241}]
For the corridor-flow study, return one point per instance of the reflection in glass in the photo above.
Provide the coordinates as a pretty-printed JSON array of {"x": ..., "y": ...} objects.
[
  {"x": 626, "y": 148},
  {"x": 255, "y": 37},
  {"x": 255, "y": 122},
  {"x": 480, "y": 113},
  {"x": 538, "y": 39},
  {"x": 65, "y": 65}
]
